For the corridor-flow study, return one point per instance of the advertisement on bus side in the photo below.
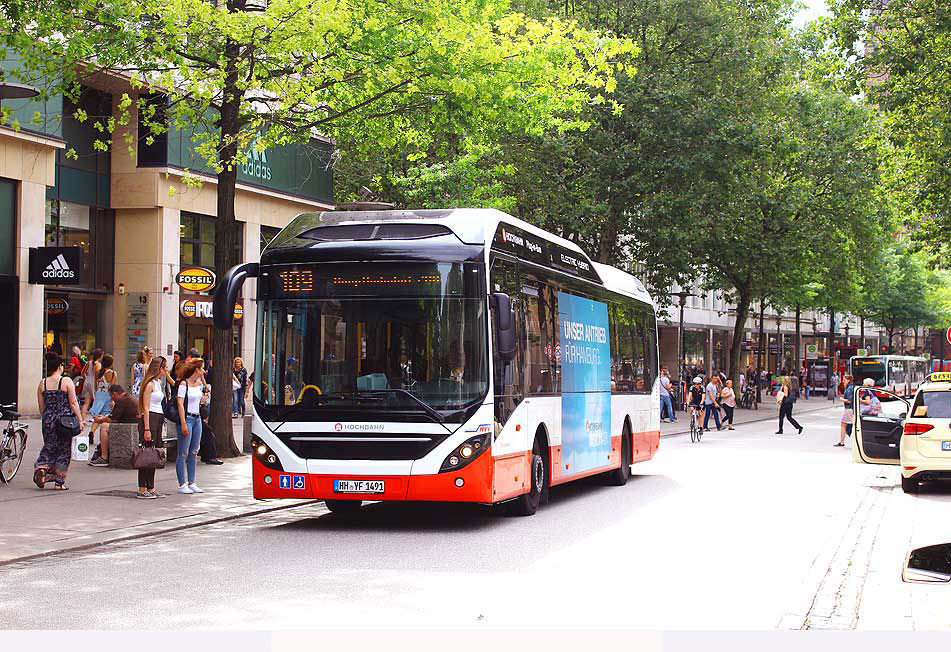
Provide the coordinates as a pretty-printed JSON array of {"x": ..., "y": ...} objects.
[{"x": 586, "y": 383}]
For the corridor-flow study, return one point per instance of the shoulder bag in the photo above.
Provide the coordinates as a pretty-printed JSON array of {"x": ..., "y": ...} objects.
[
  {"x": 148, "y": 457},
  {"x": 67, "y": 425},
  {"x": 170, "y": 406}
]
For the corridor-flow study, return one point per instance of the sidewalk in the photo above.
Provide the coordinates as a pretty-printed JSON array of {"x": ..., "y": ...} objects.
[
  {"x": 768, "y": 411},
  {"x": 100, "y": 506}
]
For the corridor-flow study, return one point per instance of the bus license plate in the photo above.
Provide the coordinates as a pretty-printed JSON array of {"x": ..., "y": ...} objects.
[
  {"x": 946, "y": 445},
  {"x": 358, "y": 486}
]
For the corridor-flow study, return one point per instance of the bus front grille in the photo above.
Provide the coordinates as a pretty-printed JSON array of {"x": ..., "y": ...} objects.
[{"x": 354, "y": 447}]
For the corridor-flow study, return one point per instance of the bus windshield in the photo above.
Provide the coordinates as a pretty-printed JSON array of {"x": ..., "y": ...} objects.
[{"x": 373, "y": 337}]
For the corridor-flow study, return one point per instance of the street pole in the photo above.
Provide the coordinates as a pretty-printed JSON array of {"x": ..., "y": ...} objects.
[
  {"x": 680, "y": 342},
  {"x": 797, "y": 361},
  {"x": 759, "y": 355}
]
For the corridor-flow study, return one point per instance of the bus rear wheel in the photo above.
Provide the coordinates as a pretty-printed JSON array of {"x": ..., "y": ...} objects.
[
  {"x": 527, "y": 504},
  {"x": 618, "y": 477},
  {"x": 343, "y": 507}
]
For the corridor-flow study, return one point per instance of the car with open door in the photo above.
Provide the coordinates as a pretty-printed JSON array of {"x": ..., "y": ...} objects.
[{"x": 914, "y": 434}]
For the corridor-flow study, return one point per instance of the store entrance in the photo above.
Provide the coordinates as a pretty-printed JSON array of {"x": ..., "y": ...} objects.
[
  {"x": 201, "y": 337},
  {"x": 9, "y": 336}
]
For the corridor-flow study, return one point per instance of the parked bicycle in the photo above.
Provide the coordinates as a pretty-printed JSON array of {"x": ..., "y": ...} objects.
[
  {"x": 13, "y": 443},
  {"x": 748, "y": 400}
]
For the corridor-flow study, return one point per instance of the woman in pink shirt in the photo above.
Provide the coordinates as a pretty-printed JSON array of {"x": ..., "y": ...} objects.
[{"x": 728, "y": 401}]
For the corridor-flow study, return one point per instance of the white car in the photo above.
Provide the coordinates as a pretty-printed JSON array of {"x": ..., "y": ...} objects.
[{"x": 915, "y": 434}]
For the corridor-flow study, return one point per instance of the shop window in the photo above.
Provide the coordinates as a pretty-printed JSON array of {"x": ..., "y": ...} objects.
[
  {"x": 92, "y": 230},
  {"x": 197, "y": 240},
  {"x": 8, "y": 223}
]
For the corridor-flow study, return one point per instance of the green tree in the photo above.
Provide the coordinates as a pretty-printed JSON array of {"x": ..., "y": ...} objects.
[
  {"x": 896, "y": 53},
  {"x": 405, "y": 75},
  {"x": 906, "y": 292}
]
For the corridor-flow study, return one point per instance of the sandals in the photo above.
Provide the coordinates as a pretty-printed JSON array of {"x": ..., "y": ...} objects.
[
  {"x": 60, "y": 487},
  {"x": 39, "y": 478}
]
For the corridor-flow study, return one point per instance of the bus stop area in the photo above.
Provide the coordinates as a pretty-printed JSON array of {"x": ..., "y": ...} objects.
[{"x": 100, "y": 506}]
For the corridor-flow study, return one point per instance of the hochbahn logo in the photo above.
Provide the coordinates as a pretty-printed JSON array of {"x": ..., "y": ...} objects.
[{"x": 357, "y": 426}]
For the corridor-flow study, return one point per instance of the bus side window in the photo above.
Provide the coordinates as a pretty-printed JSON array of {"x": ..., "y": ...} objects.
[
  {"x": 647, "y": 333},
  {"x": 539, "y": 349},
  {"x": 508, "y": 374}
]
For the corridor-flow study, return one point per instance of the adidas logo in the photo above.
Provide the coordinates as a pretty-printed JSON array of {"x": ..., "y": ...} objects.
[{"x": 58, "y": 269}]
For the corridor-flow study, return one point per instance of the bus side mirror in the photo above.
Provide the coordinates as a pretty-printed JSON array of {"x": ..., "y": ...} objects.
[
  {"x": 226, "y": 294},
  {"x": 504, "y": 319}
]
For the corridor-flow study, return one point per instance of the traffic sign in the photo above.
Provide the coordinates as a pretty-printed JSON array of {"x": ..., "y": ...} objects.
[
  {"x": 812, "y": 349},
  {"x": 947, "y": 335},
  {"x": 861, "y": 353}
]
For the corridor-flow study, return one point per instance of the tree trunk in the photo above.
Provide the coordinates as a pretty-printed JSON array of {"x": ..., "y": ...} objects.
[
  {"x": 225, "y": 242},
  {"x": 739, "y": 326}
]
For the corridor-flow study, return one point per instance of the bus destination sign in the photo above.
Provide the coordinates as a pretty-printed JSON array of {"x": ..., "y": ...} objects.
[{"x": 518, "y": 242}]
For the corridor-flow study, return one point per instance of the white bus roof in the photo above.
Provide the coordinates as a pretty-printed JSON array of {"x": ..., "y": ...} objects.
[{"x": 479, "y": 226}]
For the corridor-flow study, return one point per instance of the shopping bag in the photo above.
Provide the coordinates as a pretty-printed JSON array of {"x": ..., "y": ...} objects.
[{"x": 82, "y": 451}]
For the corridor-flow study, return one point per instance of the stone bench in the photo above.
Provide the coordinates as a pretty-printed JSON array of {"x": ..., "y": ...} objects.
[{"x": 124, "y": 439}]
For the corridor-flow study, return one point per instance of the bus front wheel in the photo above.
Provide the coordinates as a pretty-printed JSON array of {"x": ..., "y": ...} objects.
[
  {"x": 343, "y": 507},
  {"x": 527, "y": 504}
]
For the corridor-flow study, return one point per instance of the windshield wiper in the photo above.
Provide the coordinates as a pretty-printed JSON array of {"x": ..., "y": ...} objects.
[{"x": 431, "y": 411}]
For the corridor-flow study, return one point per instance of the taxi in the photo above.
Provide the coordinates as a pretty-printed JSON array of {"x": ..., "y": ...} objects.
[{"x": 913, "y": 433}]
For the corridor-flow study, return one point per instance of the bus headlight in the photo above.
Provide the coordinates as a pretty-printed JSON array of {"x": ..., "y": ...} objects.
[
  {"x": 264, "y": 455},
  {"x": 467, "y": 451}
]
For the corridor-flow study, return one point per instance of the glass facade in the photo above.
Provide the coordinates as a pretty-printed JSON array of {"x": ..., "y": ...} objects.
[
  {"x": 197, "y": 240},
  {"x": 8, "y": 225}
]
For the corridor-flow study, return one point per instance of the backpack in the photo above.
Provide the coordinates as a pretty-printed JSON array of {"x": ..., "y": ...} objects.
[{"x": 169, "y": 405}]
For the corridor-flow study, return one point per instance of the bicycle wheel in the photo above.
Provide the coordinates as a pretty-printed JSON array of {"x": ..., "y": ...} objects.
[
  {"x": 699, "y": 433},
  {"x": 693, "y": 429},
  {"x": 11, "y": 455}
]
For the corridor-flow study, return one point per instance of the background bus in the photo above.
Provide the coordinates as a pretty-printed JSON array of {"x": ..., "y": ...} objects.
[
  {"x": 900, "y": 374},
  {"x": 457, "y": 355}
]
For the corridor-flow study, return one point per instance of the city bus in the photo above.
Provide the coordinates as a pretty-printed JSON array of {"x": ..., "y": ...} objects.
[
  {"x": 899, "y": 374},
  {"x": 442, "y": 355}
]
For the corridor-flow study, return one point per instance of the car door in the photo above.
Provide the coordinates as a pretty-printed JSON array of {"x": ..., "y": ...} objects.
[{"x": 878, "y": 436}]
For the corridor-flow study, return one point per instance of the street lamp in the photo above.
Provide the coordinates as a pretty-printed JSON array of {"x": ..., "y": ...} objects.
[
  {"x": 682, "y": 295},
  {"x": 12, "y": 91},
  {"x": 779, "y": 351}
]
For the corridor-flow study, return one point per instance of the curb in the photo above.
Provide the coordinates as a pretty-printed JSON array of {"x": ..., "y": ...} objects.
[
  {"x": 253, "y": 511},
  {"x": 740, "y": 423}
]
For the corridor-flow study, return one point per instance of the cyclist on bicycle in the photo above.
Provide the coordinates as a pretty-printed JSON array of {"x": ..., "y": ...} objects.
[{"x": 696, "y": 398}]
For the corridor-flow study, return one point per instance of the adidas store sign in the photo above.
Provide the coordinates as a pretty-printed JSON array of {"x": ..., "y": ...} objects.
[{"x": 55, "y": 265}]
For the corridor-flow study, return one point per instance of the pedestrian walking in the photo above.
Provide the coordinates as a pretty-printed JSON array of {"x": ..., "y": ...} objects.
[
  {"x": 75, "y": 366},
  {"x": 102, "y": 401},
  {"x": 239, "y": 387},
  {"x": 666, "y": 401},
  {"x": 711, "y": 403},
  {"x": 786, "y": 398},
  {"x": 56, "y": 397},
  {"x": 834, "y": 385},
  {"x": 848, "y": 415},
  {"x": 142, "y": 361},
  {"x": 190, "y": 390},
  {"x": 728, "y": 401},
  {"x": 153, "y": 391},
  {"x": 89, "y": 379}
]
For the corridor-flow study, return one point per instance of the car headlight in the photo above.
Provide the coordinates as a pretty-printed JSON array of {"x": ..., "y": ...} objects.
[{"x": 467, "y": 451}]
